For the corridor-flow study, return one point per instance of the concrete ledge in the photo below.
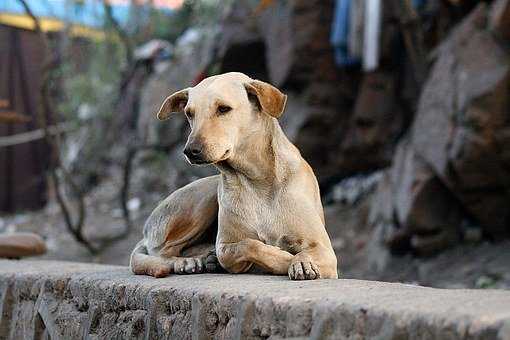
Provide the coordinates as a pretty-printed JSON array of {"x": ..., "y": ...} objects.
[{"x": 64, "y": 300}]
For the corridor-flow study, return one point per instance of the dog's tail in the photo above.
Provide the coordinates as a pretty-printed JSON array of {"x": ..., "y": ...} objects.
[
  {"x": 142, "y": 263},
  {"x": 139, "y": 257}
]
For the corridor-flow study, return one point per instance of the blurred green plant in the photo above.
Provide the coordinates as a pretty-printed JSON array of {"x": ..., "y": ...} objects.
[
  {"x": 488, "y": 281},
  {"x": 169, "y": 26},
  {"x": 90, "y": 81},
  {"x": 90, "y": 90}
]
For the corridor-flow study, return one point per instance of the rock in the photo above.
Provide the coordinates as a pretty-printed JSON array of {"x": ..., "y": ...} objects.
[
  {"x": 499, "y": 18},
  {"x": 462, "y": 118},
  {"x": 347, "y": 214},
  {"x": 60, "y": 300},
  {"x": 345, "y": 128},
  {"x": 350, "y": 190},
  {"x": 193, "y": 52},
  {"x": 386, "y": 236},
  {"x": 412, "y": 210},
  {"x": 295, "y": 115},
  {"x": 21, "y": 245},
  {"x": 376, "y": 122},
  {"x": 424, "y": 207}
]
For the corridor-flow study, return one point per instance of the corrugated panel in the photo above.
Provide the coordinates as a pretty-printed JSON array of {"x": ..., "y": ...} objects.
[{"x": 22, "y": 167}]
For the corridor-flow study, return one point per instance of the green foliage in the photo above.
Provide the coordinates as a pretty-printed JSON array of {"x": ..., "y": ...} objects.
[
  {"x": 169, "y": 26},
  {"x": 90, "y": 75},
  {"x": 91, "y": 88},
  {"x": 489, "y": 281}
]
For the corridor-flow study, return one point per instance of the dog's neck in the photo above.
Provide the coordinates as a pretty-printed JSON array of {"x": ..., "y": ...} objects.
[{"x": 265, "y": 157}]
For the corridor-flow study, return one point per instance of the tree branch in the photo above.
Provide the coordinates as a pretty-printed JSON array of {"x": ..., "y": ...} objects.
[{"x": 54, "y": 143}]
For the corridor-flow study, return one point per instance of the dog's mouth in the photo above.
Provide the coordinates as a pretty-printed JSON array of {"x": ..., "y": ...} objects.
[
  {"x": 201, "y": 161},
  {"x": 225, "y": 156},
  {"x": 198, "y": 161}
]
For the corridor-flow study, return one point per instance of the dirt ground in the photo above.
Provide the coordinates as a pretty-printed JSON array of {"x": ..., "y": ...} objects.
[{"x": 481, "y": 265}]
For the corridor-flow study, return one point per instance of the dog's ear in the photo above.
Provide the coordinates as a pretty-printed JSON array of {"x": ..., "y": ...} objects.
[
  {"x": 173, "y": 103},
  {"x": 267, "y": 97}
]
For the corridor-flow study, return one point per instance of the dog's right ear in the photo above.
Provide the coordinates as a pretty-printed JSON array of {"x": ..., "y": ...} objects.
[
  {"x": 173, "y": 103},
  {"x": 267, "y": 97}
]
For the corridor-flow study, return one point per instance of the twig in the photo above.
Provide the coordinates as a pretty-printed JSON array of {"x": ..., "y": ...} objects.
[
  {"x": 25, "y": 137},
  {"x": 120, "y": 32},
  {"x": 410, "y": 24},
  {"x": 54, "y": 142},
  {"x": 126, "y": 178}
]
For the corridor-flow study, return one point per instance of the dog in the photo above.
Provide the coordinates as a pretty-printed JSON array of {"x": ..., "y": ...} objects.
[{"x": 265, "y": 202}]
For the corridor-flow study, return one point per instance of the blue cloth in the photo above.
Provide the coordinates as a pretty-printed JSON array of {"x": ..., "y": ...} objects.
[
  {"x": 340, "y": 34},
  {"x": 418, "y": 4}
]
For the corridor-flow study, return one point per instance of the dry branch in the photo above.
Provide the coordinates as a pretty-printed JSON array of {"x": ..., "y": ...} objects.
[
  {"x": 54, "y": 143},
  {"x": 126, "y": 178},
  {"x": 30, "y": 136},
  {"x": 411, "y": 28}
]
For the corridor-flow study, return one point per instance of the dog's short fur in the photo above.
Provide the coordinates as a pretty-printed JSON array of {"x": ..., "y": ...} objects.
[{"x": 265, "y": 202}]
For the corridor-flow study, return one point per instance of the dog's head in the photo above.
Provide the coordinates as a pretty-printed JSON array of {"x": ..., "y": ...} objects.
[{"x": 222, "y": 111}]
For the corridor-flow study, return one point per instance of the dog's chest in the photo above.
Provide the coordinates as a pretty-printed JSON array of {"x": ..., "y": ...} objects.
[{"x": 256, "y": 211}]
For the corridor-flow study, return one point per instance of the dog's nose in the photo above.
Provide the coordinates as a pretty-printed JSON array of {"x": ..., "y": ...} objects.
[
  {"x": 193, "y": 151},
  {"x": 196, "y": 151}
]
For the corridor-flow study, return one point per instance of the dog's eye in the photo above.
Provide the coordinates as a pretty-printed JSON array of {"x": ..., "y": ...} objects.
[{"x": 223, "y": 109}]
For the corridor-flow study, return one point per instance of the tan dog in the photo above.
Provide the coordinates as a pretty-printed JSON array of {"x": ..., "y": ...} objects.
[{"x": 266, "y": 197}]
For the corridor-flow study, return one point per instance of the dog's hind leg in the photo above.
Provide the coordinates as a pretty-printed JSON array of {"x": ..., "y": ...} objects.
[
  {"x": 142, "y": 263},
  {"x": 180, "y": 233}
]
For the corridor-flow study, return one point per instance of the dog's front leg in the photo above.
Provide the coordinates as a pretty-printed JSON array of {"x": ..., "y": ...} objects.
[
  {"x": 315, "y": 262},
  {"x": 238, "y": 257}
]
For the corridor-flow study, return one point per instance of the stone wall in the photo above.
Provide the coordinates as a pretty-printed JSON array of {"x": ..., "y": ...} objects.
[{"x": 65, "y": 300}]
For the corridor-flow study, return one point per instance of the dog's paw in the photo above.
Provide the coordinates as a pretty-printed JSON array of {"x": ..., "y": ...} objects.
[
  {"x": 211, "y": 263},
  {"x": 159, "y": 271},
  {"x": 304, "y": 270},
  {"x": 188, "y": 265}
]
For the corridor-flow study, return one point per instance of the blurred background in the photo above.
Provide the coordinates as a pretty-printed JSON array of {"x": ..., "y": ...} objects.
[{"x": 402, "y": 107}]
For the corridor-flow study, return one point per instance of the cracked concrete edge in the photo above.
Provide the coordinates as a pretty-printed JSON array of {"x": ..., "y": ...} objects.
[{"x": 65, "y": 300}]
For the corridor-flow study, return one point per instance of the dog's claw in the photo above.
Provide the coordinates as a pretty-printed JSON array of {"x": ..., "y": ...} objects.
[
  {"x": 211, "y": 263},
  {"x": 303, "y": 270},
  {"x": 308, "y": 270},
  {"x": 188, "y": 266}
]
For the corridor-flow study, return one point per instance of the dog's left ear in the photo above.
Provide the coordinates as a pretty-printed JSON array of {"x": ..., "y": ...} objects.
[
  {"x": 268, "y": 97},
  {"x": 173, "y": 103}
]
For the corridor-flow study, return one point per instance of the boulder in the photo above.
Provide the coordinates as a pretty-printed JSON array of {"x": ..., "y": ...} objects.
[
  {"x": 348, "y": 126},
  {"x": 193, "y": 53},
  {"x": 424, "y": 207},
  {"x": 413, "y": 210},
  {"x": 376, "y": 122},
  {"x": 499, "y": 19},
  {"x": 462, "y": 122},
  {"x": 19, "y": 245}
]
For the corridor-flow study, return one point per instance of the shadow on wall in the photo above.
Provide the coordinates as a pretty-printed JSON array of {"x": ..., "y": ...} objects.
[{"x": 248, "y": 58}]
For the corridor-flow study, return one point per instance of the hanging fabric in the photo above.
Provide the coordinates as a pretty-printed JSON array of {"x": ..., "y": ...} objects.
[
  {"x": 371, "y": 39},
  {"x": 356, "y": 22},
  {"x": 418, "y": 4},
  {"x": 340, "y": 34}
]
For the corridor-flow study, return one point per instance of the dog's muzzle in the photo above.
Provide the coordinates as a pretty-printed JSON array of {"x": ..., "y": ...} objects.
[{"x": 194, "y": 154}]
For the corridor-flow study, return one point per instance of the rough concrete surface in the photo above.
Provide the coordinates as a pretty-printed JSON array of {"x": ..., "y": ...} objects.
[{"x": 65, "y": 300}]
